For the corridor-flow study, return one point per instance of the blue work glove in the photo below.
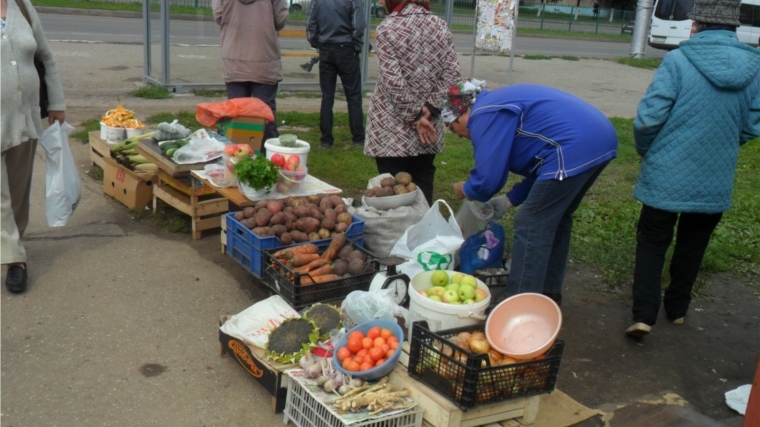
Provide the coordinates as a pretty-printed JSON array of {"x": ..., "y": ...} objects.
[{"x": 501, "y": 205}]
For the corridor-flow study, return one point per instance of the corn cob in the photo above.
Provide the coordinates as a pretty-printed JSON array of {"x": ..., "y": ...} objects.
[
  {"x": 146, "y": 167},
  {"x": 138, "y": 159}
]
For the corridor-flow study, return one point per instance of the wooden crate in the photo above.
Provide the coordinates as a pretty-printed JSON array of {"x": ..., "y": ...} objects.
[
  {"x": 441, "y": 412},
  {"x": 205, "y": 211},
  {"x": 224, "y": 233},
  {"x": 98, "y": 150}
]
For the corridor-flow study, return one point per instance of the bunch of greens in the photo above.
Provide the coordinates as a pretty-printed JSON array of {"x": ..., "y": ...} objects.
[{"x": 257, "y": 172}]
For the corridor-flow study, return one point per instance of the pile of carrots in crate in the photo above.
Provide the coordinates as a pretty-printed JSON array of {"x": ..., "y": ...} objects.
[{"x": 306, "y": 260}]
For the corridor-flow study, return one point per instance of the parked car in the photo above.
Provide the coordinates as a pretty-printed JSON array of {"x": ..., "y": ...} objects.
[
  {"x": 304, "y": 5},
  {"x": 628, "y": 27}
]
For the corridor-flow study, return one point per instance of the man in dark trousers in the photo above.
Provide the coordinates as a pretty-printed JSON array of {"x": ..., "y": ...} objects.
[{"x": 336, "y": 29}]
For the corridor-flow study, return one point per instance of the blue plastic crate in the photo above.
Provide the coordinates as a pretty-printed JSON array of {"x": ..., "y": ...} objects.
[{"x": 248, "y": 249}]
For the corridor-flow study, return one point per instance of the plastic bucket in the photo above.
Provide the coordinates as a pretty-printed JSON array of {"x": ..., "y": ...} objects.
[
  {"x": 134, "y": 132},
  {"x": 440, "y": 315},
  {"x": 103, "y": 131},
  {"x": 302, "y": 150},
  {"x": 114, "y": 135}
]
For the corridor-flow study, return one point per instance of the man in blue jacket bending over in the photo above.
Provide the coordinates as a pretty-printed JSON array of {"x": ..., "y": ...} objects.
[{"x": 558, "y": 142}]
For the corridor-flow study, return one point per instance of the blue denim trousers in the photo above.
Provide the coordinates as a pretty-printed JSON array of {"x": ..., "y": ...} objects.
[{"x": 542, "y": 228}]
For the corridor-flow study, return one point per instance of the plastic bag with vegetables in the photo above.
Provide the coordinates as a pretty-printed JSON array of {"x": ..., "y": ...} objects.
[{"x": 167, "y": 131}]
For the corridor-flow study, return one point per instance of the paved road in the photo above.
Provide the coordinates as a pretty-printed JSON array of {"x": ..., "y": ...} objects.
[{"x": 129, "y": 30}]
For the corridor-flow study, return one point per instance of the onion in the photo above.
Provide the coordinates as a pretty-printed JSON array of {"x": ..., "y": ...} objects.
[
  {"x": 313, "y": 371},
  {"x": 464, "y": 336},
  {"x": 330, "y": 386},
  {"x": 322, "y": 380},
  {"x": 494, "y": 357},
  {"x": 345, "y": 388},
  {"x": 479, "y": 345}
]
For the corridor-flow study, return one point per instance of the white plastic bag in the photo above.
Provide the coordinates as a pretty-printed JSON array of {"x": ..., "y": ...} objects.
[
  {"x": 360, "y": 306},
  {"x": 202, "y": 148},
  {"x": 430, "y": 244},
  {"x": 473, "y": 217},
  {"x": 254, "y": 324},
  {"x": 63, "y": 187}
]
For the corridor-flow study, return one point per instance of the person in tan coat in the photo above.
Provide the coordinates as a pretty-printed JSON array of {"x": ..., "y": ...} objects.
[
  {"x": 251, "y": 63},
  {"x": 22, "y": 39}
]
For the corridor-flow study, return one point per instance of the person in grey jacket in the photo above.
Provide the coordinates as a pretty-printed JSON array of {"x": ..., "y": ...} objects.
[
  {"x": 22, "y": 40},
  {"x": 336, "y": 29},
  {"x": 702, "y": 105}
]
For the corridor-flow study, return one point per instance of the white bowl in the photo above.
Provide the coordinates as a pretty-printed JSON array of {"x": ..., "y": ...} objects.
[
  {"x": 390, "y": 202},
  {"x": 251, "y": 193}
]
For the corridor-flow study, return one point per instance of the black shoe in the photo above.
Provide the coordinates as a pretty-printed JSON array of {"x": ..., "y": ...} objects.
[
  {"x": 15, "y": 281},
  {"x": 325, "y": 146},
  {"x": 359, "y": 144},
  {"x": 638, "y": 329},
  {"x": 306, "y": 67}
]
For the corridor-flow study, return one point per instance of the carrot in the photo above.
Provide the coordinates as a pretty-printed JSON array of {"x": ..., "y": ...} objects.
[
  {"x": 335, "y": 246},
  {"x": 305, "y": 280},
  {"x": 286, "y": 255},
  {"x": 321, "y": 271},
  {"x": 307, "y": 248},
  {"x": 302, "y": 259},
  {"x": 317, "y": 263}
]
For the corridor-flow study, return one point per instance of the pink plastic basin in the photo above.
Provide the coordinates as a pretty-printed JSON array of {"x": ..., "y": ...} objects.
[{"x": 524, "y": 326}]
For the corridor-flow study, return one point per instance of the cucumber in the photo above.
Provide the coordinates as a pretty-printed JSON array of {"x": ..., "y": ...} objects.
[
  {"x": 167, "y": 147},
  {"x": 170, "y": 152}
]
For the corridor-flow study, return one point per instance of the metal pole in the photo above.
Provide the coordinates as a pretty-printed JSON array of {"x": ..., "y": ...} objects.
[
  {"x": 474, "y": 39},
  {"x": 512, "y": 49},
  {"x": 165, "y": 42},
  {"x": 449, "y": 15},
  {"x": 146, "y": 38},
  {"x": 365, "y": 46},
  {"x": 641, "y": 28}
]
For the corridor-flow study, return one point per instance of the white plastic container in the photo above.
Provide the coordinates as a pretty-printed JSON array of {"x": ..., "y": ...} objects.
[
  {"x": 273, "y": 147},
  {"x": 134, "y": 132},
  {"x": 440, "y": 315},
  {"x": 115, "y": 135},
  {"x": 251, "y": 193},
  {"x": 103, "y": 131}
]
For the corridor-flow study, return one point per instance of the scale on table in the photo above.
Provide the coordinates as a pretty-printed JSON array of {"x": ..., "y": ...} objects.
[{"x": 392, "y": 279}]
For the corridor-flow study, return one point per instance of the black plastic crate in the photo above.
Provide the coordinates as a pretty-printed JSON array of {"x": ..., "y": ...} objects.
[
  {"x": 468, "y": 379},
  {"x": 496, "y": 280},
  {"x": 278, "y": 277}
]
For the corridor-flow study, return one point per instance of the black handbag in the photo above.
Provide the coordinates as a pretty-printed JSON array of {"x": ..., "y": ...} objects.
[{"x": 39, "y": 65}]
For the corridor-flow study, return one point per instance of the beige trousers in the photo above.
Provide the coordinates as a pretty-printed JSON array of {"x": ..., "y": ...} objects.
[{"x": 17, "y": 163}]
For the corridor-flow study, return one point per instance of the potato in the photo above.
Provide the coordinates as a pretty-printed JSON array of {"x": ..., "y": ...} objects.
[
  {"x": 249, "y": 212},
  {"x": 399, "y": 189},
  {"x": 324, "y": 233},
  {"x": 336, "y": 200},
  {"x": 316, "y": 214},
  {"x": 308, "y": 225},
  {"x": 286, "y": 238},
  {"x": 328, "y": 224},
  {"x": 387, "y": 191},
  {"x": 340, "y": 267},
  {"x": 289, "y": 224},
  {"x": 299, "y": 236},
  {"x": 298, "y": 202},
  {"x": 314, "y": 198},
  {"x": 388, "y": 182},
  {"x": 278, "y": 218},
  {"x": 279, "y": 229},
  {"x": 288, "y": 209},
  {"x": 290, "y": 216},
  {"x": 262, "y": 217},
  {"x": 411, "y": 187},
  {"x": 263, "y": 231},
  {"x": 340, "y": 209},
  {"x": 301, "y": 211},
  {"x": 356, "y": 267},
  {"x": 345, "y": 218},
  {"x": 275, "y": 207},
  {"x": 331, "y": 214},
  {"x": 288, "y": 202},
  {"x": 314, "y": 236},
  {"x": 326, "y": 203},
  {"x": 261, "y": 204},
  {"x": 345, "y": 252},
  {"x": 341, "y": 227},
  {"x": 249, "y": 222},
  {"x": 370, "y": 193},
  {"x": 241, "y": 216},
  {"x": 403, "y": 178},
  {"x": 356, "y": 255}
]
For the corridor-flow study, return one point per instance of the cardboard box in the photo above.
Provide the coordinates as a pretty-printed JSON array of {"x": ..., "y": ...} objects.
[
  {"x": 243, "y": 130},
  {"x": 134, "y": 190},
  {"x": 253, "y": 361}
]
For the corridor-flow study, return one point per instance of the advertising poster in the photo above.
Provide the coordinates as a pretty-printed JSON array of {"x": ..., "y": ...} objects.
[{"x": 494, "y": 30}]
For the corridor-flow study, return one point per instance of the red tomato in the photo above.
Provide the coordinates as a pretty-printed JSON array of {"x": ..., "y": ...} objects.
[
  {"x": 379, "y": 362},
  {"x": 368, "y": 359},
  {"x": 346, "y": 362},
  {"x": 367, "y": 343},
  {"x": 386, "y": 333},
  {"x": 343, "y": 353},
  {"x": 356, "y": 334},
  {"x": 354, "y": 344},
  {"x": 361, "y": 353},
  {"x": 390, "y": 353},
  {"x": 366, "y": 366},
  {"x": 394, "y": 345},
  {"x": 374, "y": 332},
  {"x": 385, "y": 348},
  {"x": 358, "y": 359},
  {"x": 379, "y": 341},
  {"x": 353, "y": 367},
  {"x": 376, "y": 353},
  {"x": 392, "y": 339}
]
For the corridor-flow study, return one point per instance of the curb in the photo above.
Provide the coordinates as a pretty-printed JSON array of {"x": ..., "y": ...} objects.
[{"x": 209, "y": 18}]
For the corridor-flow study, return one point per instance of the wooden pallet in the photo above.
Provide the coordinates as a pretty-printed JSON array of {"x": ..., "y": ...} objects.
[
  {"x": 98, "y": 150},
  {"x": 205, "y": 211},
  {"x": 441, "y": 412},
  {"x": 224, "y": 233}
]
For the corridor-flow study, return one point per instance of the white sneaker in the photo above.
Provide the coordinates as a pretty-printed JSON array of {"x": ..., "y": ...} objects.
[
  {"x": 638, "y": 329},
  {"x": 678, "y": 321}
]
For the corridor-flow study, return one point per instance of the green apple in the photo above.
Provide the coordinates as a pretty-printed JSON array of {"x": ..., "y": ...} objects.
[
  {"x": 450, "y": 297},
  {"x": 454, "y": 287},
  {"x": 440, "y": 278},
  {"x": 435, "y": 291},
  {"x": 456, "y": 303},
  {"x": 468, "y": 302},
  {"x": 480, "y": 295},
  {"x": 466, "y": 292},
  {"x": 457, "y": 278},
  {"x": 435, "y": 298},
  {"x": 469, "y": 280}
]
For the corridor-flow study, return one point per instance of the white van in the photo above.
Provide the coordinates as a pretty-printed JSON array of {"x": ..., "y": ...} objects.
[{"x": 671, "y": 24}]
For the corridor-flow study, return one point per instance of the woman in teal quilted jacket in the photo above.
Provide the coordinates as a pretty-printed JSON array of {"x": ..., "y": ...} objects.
[{"x": 703, "y": 103}]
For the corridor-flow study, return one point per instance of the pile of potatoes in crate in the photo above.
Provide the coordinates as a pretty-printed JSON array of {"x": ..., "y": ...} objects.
[
  {"x": 297, "y": 219},
  {"x": 400, "y": 184}
]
